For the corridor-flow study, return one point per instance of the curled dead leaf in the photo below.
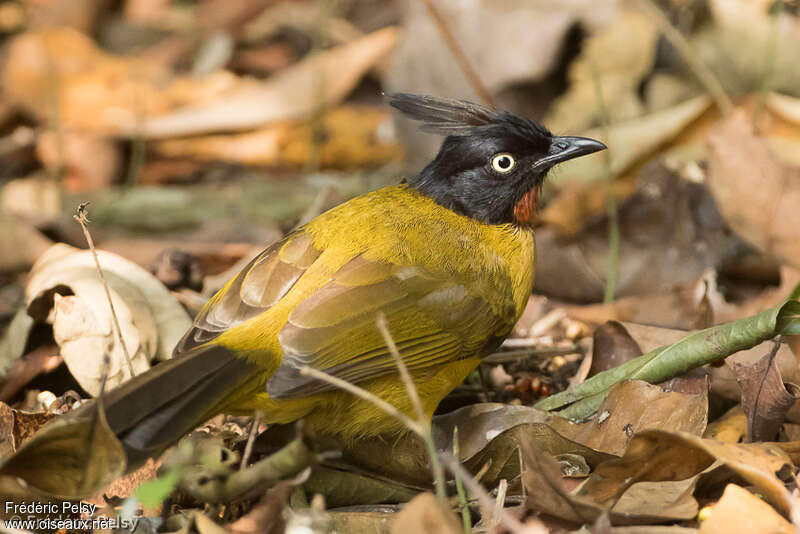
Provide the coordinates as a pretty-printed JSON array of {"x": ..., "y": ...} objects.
[{"x": 65, "y": 289}]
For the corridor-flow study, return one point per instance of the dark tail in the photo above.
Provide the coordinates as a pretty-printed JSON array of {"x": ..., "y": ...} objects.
[{"x": 155, "y": 409}]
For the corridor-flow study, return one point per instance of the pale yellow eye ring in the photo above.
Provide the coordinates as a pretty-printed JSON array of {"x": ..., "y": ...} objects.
[{"x": 503, "y": 163}]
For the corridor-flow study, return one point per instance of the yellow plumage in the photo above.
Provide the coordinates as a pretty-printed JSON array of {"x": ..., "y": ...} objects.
[{"x": 433, "y": 236}]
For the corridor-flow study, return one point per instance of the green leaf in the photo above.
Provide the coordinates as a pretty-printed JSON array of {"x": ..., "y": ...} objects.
[
  {"x": 699, "y": 348},
  {"x": 155, "y": 491}
]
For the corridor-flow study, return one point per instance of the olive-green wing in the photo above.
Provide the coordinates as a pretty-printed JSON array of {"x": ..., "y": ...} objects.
[
  {"x": 262, "y": 283},
  {"x": 433, "y": 318}
]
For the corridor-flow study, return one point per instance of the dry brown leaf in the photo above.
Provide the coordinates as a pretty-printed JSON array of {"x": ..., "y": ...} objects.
[
  {"x": 741, "y": 512},
  {"x": 631, "y": 141},
  {"x": 617, "y": 57},
  {"x": 655, "y": 455},
  {"x": 765, "y": 398},
  {"x": 671, "y": 233},
  {"x": 578, "y": 204},
  {"x": 103, "y": 93},
  {"x": 17, "y": 427},
  {"x": 351, "y": 139},
  {"x": 730, "y": 428},
  {"x": 62, "y": 71},
  {"x": 537, "y": 32},
  {"x": 644, "y": 503},
  {"x": 632, "y": 407},
  {"x": 266, "y": 517},
  {"x": 612, "y": 346},
  {"x": 290, "y": 94},
  {"x": 88, "y": 161},
  {"x": 425, "y": 514},
  {"x": 756, "y": 193}
]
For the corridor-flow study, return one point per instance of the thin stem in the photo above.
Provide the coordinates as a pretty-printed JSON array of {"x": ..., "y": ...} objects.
[
  {"x": 689, "y": 56},
  {"x": 251, "y": 438},
  {"x": 480, "y": 493},
  {"x": 462, "y": 496},
  {"x": 458, "y": 53},
  {"x": 366, "y": 395},
  {"x": 82, "y": 217},
  {"x": 422, "y": 419}
]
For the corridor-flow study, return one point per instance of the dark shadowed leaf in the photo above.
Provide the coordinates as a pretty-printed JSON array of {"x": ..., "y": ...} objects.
[
  {"x": 70, "y": 457},
  {"x": 613, "y": 346},
  {"x": 765, "y": 398}
]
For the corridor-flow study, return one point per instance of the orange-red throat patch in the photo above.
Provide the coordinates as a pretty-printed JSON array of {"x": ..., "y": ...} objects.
[{"x": 525, "y": 209}]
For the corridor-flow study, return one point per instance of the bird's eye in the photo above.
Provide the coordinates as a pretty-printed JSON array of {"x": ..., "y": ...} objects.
[{"x": 503, "y": 163}]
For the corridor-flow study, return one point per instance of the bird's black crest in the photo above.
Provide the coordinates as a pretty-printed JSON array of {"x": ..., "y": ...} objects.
[{"x": 448, "y": 116}]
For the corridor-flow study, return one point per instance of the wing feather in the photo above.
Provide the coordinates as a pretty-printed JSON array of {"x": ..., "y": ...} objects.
[{"x": 433, "y": 320}]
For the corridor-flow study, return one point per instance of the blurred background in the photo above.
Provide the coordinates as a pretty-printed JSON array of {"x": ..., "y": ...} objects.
[{"x": 201, "y": 131}]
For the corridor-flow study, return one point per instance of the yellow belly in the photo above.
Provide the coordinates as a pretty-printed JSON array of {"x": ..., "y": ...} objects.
[{"x": 337, "y": 412}]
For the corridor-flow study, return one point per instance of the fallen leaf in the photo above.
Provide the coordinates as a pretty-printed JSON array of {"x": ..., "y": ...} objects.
[
  {"x": 697, "y": 349},
  {"x": 350, "y": 139},
  {"x": 425, "y": 514},
  {"x": 741, "y": 512},
  {"x": 538, "y": 33},
  {"x": 646, "y": 503},
  {"x": 291, "y": 93},
  {"x": 17, "y": 427},
  {"x": 86, "y": 160},
  {"x": 630, "y": 141},
  {"x": 765, "y": 398},
  {"x": 756, "y": 193},
  {"x": 266, "y": 517},
  {"x": 740, "y": 69},
  {"x": 374, "y": 520},
  {"x": 730, "y": 428},
  {"x": 65, "y": 289},
  {"x": 632, "y": 407},
  {"x": 671, "y": 233},
  {"x": 616, "y": 59},
  {"x": 656, "y": 455},
  {"x": 69, "y": 458},
  {"x": 612, "y": 346}
]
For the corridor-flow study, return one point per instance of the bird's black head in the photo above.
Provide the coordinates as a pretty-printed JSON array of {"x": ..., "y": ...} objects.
[{"x": 492, "y": 163}]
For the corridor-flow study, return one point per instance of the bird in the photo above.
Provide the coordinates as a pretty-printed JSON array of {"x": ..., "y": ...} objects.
[{"x": 447, "y": 257}]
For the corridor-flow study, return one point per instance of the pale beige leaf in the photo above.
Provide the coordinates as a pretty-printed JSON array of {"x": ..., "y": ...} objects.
[{"x": 320, "y": 80}]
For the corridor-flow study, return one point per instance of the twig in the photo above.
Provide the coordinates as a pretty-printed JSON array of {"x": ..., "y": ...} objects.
[
  {"x": 463, "y": 63},
  {"x": 502, "y": 488},
  {"x": 612, "y": 265},
  {"x": 251, "y": 437},
  {"x": 83, "y": 219},
  {"x": 366, "y": 395},
  {"x": 480, "y": 493},
  {"x": 462, "y": 496},
  {"x": 422, "y": 420},
  {"x": 684, "y": 49}
]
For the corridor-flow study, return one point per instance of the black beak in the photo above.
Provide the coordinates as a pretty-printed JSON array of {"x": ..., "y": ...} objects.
[{"x": 564, "y": 148}]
